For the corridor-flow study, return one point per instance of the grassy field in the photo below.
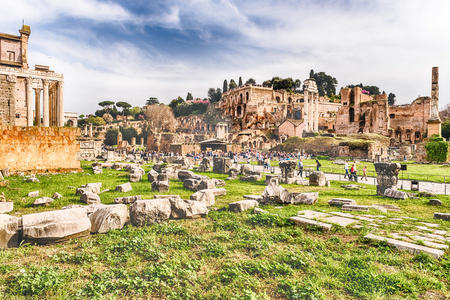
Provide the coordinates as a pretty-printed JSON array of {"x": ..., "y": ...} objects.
[
  {"x": 222, "y": 256},
  {"x": 422, "y": 172}
]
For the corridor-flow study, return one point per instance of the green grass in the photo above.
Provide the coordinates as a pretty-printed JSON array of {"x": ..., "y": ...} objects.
[
  {"x": 222, "y": 256},
  {"x": 422, "y": 172}
]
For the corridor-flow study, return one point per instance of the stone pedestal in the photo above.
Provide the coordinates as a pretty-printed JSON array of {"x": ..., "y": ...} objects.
[
  {"x": 387, "y": 176},
  {"x": 222, "y": 165},
  {"x": 287, "y": 171}
]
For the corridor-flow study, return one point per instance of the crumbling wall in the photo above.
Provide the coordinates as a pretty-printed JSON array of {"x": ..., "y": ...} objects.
[
  {"x": 7, "y": 103},
  {"x": 38, "y": 149}
]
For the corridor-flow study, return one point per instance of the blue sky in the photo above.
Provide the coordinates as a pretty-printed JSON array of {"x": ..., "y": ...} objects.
[{"x": 132, "y": 50}]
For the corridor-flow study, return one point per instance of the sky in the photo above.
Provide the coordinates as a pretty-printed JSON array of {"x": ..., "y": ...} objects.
[{"x": 131, "y": 50}]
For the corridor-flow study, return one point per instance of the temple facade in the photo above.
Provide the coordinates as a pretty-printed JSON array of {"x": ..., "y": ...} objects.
[{"x": 28, "y": 97}]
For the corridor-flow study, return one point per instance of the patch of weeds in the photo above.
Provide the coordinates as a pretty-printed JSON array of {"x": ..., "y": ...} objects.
[
  {"x": 214, "y": 249},
  {"x": 184, "y": 243},
  {"x": 268, "y": 220},
  {"x": 76, "y": 258},
  {"x": 362, "y": 280},
  {"x": 169, "y": 228},
  {"x": 334, "y": 240},
  {"x": 295, "y": 260},
  {"x": 297, "y": 290},
  {"x": 35, "y": 281}
]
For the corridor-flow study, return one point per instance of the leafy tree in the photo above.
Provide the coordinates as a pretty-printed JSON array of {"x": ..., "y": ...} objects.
[
  {"x": 326, "y": 84},
  {"x": 194, "y": 108},
  {"x": 135, "y": 111},
  {"x": 189, "y": 96},
  {"x": 267, "y": 83},
  {"x": 232, "y": 84},
  {"x": 280, "y": 83},
  {"x": 97, "y": 121},
  {"x": 297, "y": 84},
  {"x": 111, "y": 137},
  {"x": 240, "y": 81},
  {"x": 214, "y": 94},
  {"x": 107, "y": 105},
  {"x": 123, "y": 105},
  {"x": 128, "y": 133},
  {"x": 225, "y": 86},
  {"x": 152, "y": 100},
  {"x": 175, "y": 102},
  {"x": 391, "y": 99},
  {"x": 250, "y": 81},
  {"x": 81, "y": 116},
  {"x": 445, "y": 129}
]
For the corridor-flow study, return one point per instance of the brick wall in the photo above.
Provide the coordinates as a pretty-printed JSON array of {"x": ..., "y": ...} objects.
[{"x": 38, "y": 149}]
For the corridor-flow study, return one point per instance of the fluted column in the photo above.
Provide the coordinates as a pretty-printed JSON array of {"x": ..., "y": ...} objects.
[
  {"x": 29, "y": 95},
  {"x": 305, "y": 111},
  {"x": 60, "y": 103},
  {"x": 37, "y": 106},
  {"x": 316, "y": 113},
  {"x": 46, "y": 107}
]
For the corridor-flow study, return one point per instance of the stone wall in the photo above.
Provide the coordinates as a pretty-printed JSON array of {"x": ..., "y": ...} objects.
[
  {"x": 90, "y": 148},
  {"x": 38, "y": 149}
]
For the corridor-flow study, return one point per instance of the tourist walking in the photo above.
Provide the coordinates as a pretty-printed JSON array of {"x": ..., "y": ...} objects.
[
  {"x": 353, "y": 176},
  {"x": 318, "y": 165},
  {"x": 347, "y": 175},
  {"x": 300, "y": 167},
  {"x": 364, "y": 173}
]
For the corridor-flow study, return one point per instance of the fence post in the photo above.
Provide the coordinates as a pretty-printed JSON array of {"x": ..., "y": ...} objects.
[{"x": 445, "y": 187}]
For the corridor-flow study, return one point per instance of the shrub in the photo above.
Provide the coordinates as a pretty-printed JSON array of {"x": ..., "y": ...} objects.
[{"x": 437, "y": 149}]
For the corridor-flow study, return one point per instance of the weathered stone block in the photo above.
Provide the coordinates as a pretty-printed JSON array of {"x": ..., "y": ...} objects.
[
  {"x": 135, "y": 177},
  {"x": 185, "y": 174},
  {"x": 222, "y": 165},
  {"x": 387, "y": 176},
  {"x": 306, "y": 198},
  {"x": 55, "y": 226},
  {"x": 187, "y": 209},
  {"x": 152, "y": 175},
  {"x": 6, "y": 207},
  {"x": 349, "y": 207},
  {"x": 90, "y": 198},
  {"x": 436, "y": 202},
  {"x": 9, "y": 231},
  {"x": 204, "y": 196},
  {"x": 393, "y": 193},
  {"x": 206, "y": 184},
  {"x": 307, "y": 222},
  {"x": 317, "y": 178},
  {"x": 127, "y": 200},
  {"x": 143, "y": 212},
  {"x": 126, "y": 187},
  {"x": 33, "y": 194},
  {"x": 108, "y": 217},
  {"x": 442, "y": 216},
  {"x": 42, "y": 201},
  {"x": 341, "y": 201},
  {"x": 242, "y": 205}
]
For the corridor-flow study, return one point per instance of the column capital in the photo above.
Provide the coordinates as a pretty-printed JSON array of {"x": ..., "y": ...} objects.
[
  {"x": 45, "y": 82},
  {"x": 29, "y": 80}
]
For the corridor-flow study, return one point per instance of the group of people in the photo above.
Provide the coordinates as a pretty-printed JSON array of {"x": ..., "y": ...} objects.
[{"x": 352, "y": 176}]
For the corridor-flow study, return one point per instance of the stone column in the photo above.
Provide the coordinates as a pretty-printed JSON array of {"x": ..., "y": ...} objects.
[
  {"x": 287, "y": 171},
  {"x": 12, "y": 81},
  {"x": 311, "y": 114},
  {"x": 45, "y": 106},
  {"x": 316, "y": 113},
  {"x": 29, "y": 92},
  {"x": 60, "y": 110},
  {"x": 434, "y": 114},
  {"x": 85, "y": 130},
  {"x": 37, "y": 106},
  {"x": 90, "y": 130},
  {"x": 305, "y": 111}
]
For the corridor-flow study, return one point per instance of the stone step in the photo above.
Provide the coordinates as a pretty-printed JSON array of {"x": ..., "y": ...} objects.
[
  {"x": 348, "y": 207},
  {"x": 341, "y": 201},
  {"x": 305, "y": 222},
  {"x": 253, "y": 197},
  {"x": 405, "y": 246}
]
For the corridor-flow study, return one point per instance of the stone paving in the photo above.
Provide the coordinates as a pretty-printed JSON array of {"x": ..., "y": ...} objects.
[{"x": 416, "y": 236}]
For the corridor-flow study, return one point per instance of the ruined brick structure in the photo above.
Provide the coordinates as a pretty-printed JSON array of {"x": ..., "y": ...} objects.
[
  {"x": 362, "y": 113},
  {"x": 21, "y": 88},
  {"x": 258, "y": 107}
]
